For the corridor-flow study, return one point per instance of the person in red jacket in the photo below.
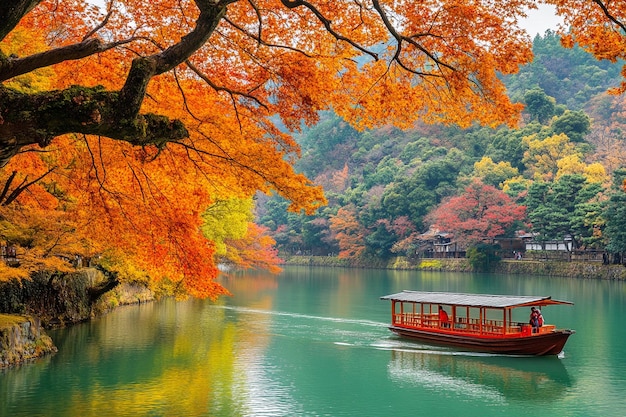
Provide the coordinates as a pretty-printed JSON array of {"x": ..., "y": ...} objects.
[{"x": 444, "y": 320}]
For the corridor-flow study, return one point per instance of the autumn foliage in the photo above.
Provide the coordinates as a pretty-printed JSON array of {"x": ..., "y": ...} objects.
[
  {"x": 481, "y": 213},
  {"x": 120, "y": 128}
]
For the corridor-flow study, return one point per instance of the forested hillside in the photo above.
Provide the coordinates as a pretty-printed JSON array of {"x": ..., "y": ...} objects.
[{"x": 558, "y": 174}]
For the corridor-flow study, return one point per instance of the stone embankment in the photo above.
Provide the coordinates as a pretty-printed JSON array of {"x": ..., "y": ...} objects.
[
  {"x": 52, "y": 300},
  {"x": 22, "y": 339},
  {"x": 574, "y": 269}
]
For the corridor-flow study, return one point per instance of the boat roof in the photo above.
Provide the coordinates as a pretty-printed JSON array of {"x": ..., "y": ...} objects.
[{"x": 472, "y": 300}]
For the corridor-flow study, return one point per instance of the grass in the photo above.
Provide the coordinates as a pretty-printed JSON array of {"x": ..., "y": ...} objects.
[{"x": 7, "y": 320}]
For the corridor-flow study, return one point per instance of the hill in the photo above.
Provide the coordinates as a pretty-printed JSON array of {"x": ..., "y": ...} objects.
[{"x": 387, "y": 187}]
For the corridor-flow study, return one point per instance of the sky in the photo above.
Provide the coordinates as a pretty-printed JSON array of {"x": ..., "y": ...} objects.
[{"x": 538, "y": 21}]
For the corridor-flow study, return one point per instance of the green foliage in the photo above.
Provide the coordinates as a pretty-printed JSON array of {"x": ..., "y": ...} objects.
[
  {"x": 575, "y": 124},
  {"x": 615, "y": 214},
  {"x": 507, "y": 144},
  {"x": 395, "y": 174},
  {"x": 415, "y": 196},
  {"x": 566, "y": 207},
  {"x": 540, "y": 107},
  {"x": 482, "y": 256},
  {"x": 569, "y": 75}
]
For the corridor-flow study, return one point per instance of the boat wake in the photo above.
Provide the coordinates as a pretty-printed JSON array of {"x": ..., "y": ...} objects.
[{"x": 306, "y": 316}]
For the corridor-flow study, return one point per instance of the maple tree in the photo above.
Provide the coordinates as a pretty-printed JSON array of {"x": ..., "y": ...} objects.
[
  {"x": 348, "y": 232},
  {"x": 480, "y": 212},
  {"x": 138, "y": 118}
]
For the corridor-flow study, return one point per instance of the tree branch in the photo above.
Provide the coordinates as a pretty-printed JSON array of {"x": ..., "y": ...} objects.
[
  {"x": 22, "y": 187},
  {"x": 27, "y": 119},
  {"x": 144, "y": 68},
  {"x": 292, "y": 4},
  {"x": 13, "y": 67},
  {"x": 609, "y": 16},
  {"x": 7, "y": 185},
  {"x": 38, "y": 118}
]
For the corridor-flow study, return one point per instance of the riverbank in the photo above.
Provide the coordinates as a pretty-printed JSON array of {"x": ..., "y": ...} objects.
[
  {"x": 574, "y": 269},
  {"x": 22, "y": 338},
  {"x": 49, "y": 300}
]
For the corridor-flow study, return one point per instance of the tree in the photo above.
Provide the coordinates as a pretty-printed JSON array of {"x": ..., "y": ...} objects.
[
  {"x": 227, "y": 220},
  {"x": 149, "y": 112},
  {"x": 254, "y": 250},
  {"x": 155, "y": 111},
  {"x": 567, "y": 207},
  {"x": 542, "y": 156},
  {"x": 539, "y": 105},
  {"x": 415, "y": 196},
  {"x": 349, "y": 233},
  {"x": 242, "y": 54},
  {"x": 599, "y": 26},
  {"x": 615, "y": 214},
  {"x": 574, "y": 124},
  {"x": 481, "y": 212},
  {"x": 494, "y": 174}
]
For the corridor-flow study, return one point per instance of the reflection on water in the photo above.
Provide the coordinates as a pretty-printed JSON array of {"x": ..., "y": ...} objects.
[
  {"x": 315, "y": 342},
  {"x": 499, "y": 378}
]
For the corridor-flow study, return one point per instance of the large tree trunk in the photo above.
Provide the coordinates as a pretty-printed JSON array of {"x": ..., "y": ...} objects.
[
  {"x": 11, "y": 12},
  {"x": 27, "y": 119}
]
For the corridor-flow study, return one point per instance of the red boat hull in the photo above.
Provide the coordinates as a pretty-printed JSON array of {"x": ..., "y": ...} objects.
[{"x": 534, "y": 345}]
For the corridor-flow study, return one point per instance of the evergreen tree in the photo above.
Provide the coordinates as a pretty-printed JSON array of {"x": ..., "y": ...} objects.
[{"x": 615, "y": 214}]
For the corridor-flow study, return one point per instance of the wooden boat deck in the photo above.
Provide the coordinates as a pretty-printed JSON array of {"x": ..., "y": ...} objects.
[
  {"x": 471, "y": 326},
  {"x": 481, "y": 322}
]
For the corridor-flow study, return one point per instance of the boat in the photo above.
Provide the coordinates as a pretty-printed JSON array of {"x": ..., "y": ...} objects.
[{"x": 476, "y": 322}]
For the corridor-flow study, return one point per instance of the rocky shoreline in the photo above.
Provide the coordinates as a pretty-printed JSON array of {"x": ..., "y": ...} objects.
[
  {"x": 22, "y": 339},
  {"x": 48, "y": 300}
]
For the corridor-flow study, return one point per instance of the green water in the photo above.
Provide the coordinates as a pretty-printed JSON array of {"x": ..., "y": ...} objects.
[{"x": 314, "y": 342}]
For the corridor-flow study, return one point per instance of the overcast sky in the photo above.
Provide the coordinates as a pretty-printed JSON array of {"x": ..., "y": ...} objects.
[{"x": 539, "y": 21}]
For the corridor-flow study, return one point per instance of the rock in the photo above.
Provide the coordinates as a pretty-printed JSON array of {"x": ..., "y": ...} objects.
[{"x": 22, "y": 338}]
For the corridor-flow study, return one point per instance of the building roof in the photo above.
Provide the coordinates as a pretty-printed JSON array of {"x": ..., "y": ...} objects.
[{"x": 472, "y": 300}]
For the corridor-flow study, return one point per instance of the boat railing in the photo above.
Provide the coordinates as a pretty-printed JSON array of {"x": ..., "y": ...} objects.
[{"x": 467, "y": 325}]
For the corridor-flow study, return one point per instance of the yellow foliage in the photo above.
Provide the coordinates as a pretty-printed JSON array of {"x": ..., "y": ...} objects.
[
  {"x": 595, "y": 172},
  {"x": 23, "y": 42},
  {"x": 8, "y": 273},
  {"x": 570, "y": 164},
  {"x": 227, "y": 219},
  {"x": 508, "y": 184},
  {"x": 542, "y": 156},
  {"x": 495, "y": 174}
]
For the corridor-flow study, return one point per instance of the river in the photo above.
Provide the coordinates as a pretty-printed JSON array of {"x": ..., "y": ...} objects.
[{"x": 314, "y": 342}]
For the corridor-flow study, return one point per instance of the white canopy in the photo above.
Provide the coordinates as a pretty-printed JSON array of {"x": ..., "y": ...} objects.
[{"x": 471, "y": 300}]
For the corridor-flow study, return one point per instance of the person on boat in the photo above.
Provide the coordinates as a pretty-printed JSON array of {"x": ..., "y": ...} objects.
[
  {"x": 444, "y": 320},
  {"x": 534, "y": 318}
]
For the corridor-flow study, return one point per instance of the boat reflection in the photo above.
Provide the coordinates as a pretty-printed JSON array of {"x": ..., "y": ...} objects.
[{"x": 501, "y": 378}]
